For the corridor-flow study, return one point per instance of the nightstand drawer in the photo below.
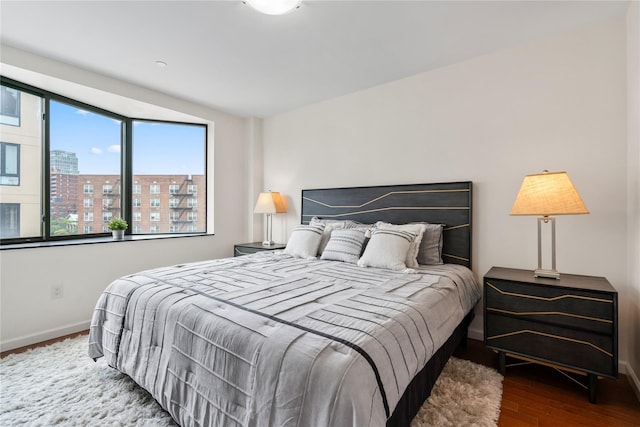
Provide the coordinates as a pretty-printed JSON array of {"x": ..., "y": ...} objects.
[
  {"x": 591, "y": 352},
  {"x": 252, "y": 248},
  {"x": 244, "y": 250},
  {"x": 583, "y": 309}
]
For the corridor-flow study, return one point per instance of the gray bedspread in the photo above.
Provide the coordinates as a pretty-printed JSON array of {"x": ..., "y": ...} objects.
[{"x": 269, "y": 340}]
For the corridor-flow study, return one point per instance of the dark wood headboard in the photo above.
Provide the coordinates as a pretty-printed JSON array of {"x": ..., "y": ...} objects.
[{"x": 446, "y": 203}]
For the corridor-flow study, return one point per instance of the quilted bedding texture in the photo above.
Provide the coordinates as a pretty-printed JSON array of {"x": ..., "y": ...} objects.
[{"x": 270, "y": 340}]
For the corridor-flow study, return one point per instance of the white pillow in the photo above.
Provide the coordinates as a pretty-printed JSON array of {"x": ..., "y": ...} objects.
[
  {"x": 304, "y": 241},
  {"x": 417, "y": 229},
  {"x": 329, "y": 226},
  {"x": 387, "y": 249},
  {"x": 344, "y": 245}
]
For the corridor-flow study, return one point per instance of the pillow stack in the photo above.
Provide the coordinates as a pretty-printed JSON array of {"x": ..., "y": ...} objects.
[{"x": 401, "y": 247}]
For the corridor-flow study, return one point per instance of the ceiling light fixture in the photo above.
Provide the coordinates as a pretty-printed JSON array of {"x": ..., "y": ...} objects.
[{"x": 274, "y": 7}]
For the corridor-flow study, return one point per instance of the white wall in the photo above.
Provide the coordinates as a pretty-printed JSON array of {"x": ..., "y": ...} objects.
[
  {"x": 633, "y": 190},
  {"x": 556, "y": 104},
  {"x": 28, "y": 314}
]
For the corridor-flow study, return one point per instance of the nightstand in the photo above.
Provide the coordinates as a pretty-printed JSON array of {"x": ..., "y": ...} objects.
[
  {"x": 251, "y": 248},
  {"x": 569, "y": 323}
]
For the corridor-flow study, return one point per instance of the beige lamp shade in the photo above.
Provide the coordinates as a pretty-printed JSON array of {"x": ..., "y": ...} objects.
[
  {"x": 549, "y": 193},
  {"x": 269, "y": 203}
]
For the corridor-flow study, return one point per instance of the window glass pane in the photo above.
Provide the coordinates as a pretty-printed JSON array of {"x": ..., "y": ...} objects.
[
  {"x": 10, "y": 159},
  {"x": 84, "y": 169},
  {"x": 169, "y": 167},
  {"x": 10, "y": 220},
  {"x": 20, "y": 151},
  {"x": 10, "y": 106}
]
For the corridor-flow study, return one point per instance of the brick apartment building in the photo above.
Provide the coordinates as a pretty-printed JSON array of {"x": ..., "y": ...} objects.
[
  {"x": 64, "y": 194},
  {"x": 161, "y": 203}
]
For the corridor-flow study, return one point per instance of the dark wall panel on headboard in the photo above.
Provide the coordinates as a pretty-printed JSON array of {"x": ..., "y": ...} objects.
[{"x": 443, "y": 203}]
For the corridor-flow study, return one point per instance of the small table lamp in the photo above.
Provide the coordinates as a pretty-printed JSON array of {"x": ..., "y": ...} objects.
[
  {"x": 547, "y": 194},
  {"x": 269, "y": 203}
]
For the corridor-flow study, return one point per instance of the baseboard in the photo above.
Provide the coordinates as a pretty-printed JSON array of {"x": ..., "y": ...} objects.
[
  {"x": 476, "y": 334},
  {"x": 626, "y": 369},
  {"x": 43, "y": 336}
]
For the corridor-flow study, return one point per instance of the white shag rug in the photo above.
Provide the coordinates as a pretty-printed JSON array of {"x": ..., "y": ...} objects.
[{"x": 60, "y": 385}]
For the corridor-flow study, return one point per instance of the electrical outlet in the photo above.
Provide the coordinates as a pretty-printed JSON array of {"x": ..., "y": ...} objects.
[{"x": 57, "y": 291}]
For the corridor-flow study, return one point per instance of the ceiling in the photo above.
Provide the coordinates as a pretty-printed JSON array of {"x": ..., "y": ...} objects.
[{"x": 226, "y": 56}]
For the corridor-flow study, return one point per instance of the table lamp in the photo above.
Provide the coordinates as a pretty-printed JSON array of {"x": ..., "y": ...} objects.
[
  {"x": 548, "y": 194},
  {"x": 269, "y": 203}
]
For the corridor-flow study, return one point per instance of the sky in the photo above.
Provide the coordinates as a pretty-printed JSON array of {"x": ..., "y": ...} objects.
[{"x": 158, "y": 148}]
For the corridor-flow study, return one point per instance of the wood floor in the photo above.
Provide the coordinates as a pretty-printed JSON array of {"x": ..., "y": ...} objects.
[{"x": 536, "y": 395}]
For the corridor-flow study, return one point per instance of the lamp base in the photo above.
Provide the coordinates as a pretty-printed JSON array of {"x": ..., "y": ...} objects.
[
  {"x": 268, "y": 243},
  {"x": 549, "y": 274}
]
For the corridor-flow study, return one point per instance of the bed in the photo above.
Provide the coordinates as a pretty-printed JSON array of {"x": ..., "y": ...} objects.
[{"x": 279, "y": 338}]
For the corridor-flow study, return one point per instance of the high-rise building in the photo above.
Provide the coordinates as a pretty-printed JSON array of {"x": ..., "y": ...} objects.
[{"x": 64, "y": 162}]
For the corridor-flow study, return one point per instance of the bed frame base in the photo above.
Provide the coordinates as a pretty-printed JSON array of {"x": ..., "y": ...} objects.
[{"x": 420, "y": 387}]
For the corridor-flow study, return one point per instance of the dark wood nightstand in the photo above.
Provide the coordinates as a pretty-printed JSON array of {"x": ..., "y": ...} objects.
[
  {"x": 251, "y": 248},
  {"x": 569, "y": 323}
]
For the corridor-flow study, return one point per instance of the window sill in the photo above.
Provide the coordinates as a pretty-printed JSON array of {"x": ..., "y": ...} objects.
[{"x": 94, "y": 240}]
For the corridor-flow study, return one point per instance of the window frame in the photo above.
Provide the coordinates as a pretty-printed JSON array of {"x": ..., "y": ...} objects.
[{"x": 126, "y": 169}]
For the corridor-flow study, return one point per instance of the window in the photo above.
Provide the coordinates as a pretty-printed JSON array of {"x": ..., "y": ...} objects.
[
  {"x": 137, "y": 216},
  {"x": 84, "y": 155},
  {"x": 172, "y": 156},
  {"x": 9, "y": 163},
  {"x": 10, "y": 106},
  {"x": 10, "y": 219},
  {"x": 80, "y": 156},
  {"x": 154, "y": 216},
  {"x": 192, "y": 216}
]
